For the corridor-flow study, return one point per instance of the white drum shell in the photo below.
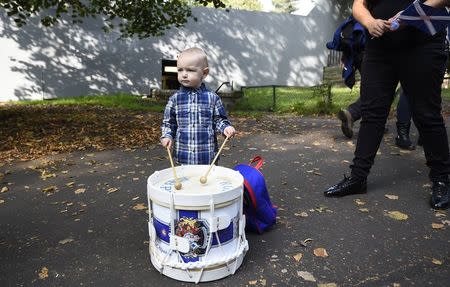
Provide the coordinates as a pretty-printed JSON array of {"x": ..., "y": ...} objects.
[{"x": 220, "y": 199}]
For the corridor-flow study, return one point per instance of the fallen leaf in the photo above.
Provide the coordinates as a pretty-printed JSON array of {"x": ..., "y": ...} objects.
[
  {"x": 298, "y": 256},
  {"x": 302, "y": 214},
  {"x": 2, "y": 201},
  {"x": 436, "y": 261},
  {"x": 80, "y": 190},
  {"x": 252, "y": 282},
  {"x": 140, "y": 206},
  {"x": 64, "y": 241},
  {"x": 320, "y": 252},
  {"x": 44, "y": 273},
  {"x": 397, "y": 215},
  {"x": 322, "y": 208},
  {"x": 306, "y": 276},
  {"x": 45, "y": 174},
  {"x": 70, "y": 184},
  {"x": 437, "y": 225},
  {"x": 327, "y": 285},
  {"x": 390, "y": 196},
  {"x": 365, "y": 210},
  {"x": 4, "y": 189},
  {"x": 359, "y": 201},
  {"x": 112, "y": 189},
  {"x": 50, "y": 189}
]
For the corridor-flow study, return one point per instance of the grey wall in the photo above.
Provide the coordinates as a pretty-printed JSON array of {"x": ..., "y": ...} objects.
[{"x": 248, "y": 48}]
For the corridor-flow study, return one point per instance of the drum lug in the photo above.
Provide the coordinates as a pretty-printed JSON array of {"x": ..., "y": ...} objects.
[
  {"x": 219, "y": 223},
  {"x": 242, "y": 225}
]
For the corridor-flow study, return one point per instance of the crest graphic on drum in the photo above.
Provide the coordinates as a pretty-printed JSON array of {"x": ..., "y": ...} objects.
[{"x": 196, "y": 233}]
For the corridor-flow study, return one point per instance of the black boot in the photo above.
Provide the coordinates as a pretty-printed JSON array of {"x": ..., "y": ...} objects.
[
  {"x": 349, "y": 185},
  {"x": 440, "y": 195},
  {"x": 346, "y": 122},
  {"x": 402, "y": 140}
]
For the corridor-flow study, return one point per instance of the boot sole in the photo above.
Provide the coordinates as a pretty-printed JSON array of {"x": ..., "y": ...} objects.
[{"x": 346, "y": 123}]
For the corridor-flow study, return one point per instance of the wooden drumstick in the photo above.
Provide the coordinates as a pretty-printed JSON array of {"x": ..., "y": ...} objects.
[
  {"x": 177, "y": 181},
  {"x": 203, "y": 179}
]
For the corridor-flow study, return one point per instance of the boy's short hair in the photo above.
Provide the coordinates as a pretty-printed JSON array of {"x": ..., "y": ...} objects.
[{"x": 196, "y": 52}]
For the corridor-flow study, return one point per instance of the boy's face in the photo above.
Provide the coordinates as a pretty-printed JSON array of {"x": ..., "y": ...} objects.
[{"x": 191, "y": 70}]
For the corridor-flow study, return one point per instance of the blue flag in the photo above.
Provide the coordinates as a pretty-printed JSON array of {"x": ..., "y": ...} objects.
[{"x": 428, "y": 19}]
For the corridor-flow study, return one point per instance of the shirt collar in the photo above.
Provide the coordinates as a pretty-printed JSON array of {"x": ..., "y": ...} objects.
[{"x": 200, "y": 89}]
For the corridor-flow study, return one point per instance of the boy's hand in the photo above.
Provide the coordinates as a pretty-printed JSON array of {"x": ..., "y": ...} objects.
[
  {"x": 229, "y": 131},
  {"x": 166, "y": 142}
]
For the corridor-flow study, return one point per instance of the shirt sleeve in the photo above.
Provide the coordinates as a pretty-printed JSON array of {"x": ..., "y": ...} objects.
[
  {"x": 220, "y": 115},
  {"x": 169, "y": 125}
]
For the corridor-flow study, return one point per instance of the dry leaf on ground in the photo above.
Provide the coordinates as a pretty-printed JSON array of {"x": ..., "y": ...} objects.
[
  {"x": 112, "y": 189},
  {"x": 436, "y": 261},
  {"x": 397, "y": 215},
  {"x": 437, "y": 225},
  {"x": 391, "y": 196},
  {"x": 306, "y": 276},
  {"x": 44, "y": 273},
  {"x": 140, "y": 206},
  {"x": 64, "y": 241},
  {"x": 80, "y": 190},
  {"x": 321, "y": 252},
  {"x": 298, "y": 256},
  {"x": 359, "y": 201},
  {"x": 4, "y": 189}
]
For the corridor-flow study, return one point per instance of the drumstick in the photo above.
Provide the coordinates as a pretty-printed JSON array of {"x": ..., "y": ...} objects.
[
  {"x": 177, "y": 181},
  {"x": 203, "y": 179}
]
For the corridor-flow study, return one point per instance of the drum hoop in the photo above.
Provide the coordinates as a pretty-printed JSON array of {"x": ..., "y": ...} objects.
[
  {"x": 202, "y": 207},
  {"x": 205, "y": 265}
]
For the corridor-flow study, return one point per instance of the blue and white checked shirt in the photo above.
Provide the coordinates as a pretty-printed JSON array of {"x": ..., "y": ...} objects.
[{"x": 191, "y": 119}]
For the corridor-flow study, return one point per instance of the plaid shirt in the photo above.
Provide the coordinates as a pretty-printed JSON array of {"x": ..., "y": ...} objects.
[{"x": 191, "y": 118}]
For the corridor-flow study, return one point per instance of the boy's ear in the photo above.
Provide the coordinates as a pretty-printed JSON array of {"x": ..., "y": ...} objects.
[{"x": 205, "y": 72}]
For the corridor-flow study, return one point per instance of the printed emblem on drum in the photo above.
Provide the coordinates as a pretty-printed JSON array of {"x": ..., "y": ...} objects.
[{"x": 196, "y": 231}]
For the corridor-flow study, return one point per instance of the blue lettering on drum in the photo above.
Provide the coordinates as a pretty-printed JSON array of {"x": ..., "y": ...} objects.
[{"x": 225, "y": 186}]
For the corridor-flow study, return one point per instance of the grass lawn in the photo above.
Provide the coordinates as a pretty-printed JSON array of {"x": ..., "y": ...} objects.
[
  {"x": 256, "y": 100},
  {"x": 121, "y": 101}
]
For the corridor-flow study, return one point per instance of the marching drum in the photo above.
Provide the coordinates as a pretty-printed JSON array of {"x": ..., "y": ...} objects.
[{"x": 197, "y": 233}]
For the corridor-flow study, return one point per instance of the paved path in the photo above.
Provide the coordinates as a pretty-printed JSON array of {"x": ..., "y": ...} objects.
[{"x": 96, "y": 238}]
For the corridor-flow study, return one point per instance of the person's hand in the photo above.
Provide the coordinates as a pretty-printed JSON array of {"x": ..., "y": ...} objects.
[
  {"x": 229, "y": 131},
  {"x": 166, "y": 142},
  {"x": 377, "y": 27}
]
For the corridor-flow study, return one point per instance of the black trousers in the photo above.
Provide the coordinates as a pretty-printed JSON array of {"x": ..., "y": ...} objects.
[
  {"x": 403, "y": 109},
  {"x": 420, "y": 71}
]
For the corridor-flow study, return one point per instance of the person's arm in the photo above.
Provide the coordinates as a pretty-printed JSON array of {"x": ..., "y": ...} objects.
[
  {"x": 437, "y": 3},
  {"x": 220, "y": 117},
  {"x": 376, "y": 27}
]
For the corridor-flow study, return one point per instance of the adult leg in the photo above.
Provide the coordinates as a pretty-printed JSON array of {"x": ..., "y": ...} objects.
[
  {"x": 378, "y": 82},
  {"x": 403, "y": 123},
  {"x": 421, "y": 75}
]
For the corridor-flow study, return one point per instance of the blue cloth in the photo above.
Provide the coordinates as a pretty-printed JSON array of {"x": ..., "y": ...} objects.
[
  {"x": 191, "y": 118},
  {"x": 350, "y": 38}
]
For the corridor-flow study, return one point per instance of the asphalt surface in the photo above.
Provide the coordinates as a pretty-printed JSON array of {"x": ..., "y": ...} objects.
[{"x": 77, "y": 219}]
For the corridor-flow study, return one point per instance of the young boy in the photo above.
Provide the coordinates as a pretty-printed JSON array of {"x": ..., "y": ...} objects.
[{"x": 193, "y": 114}]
